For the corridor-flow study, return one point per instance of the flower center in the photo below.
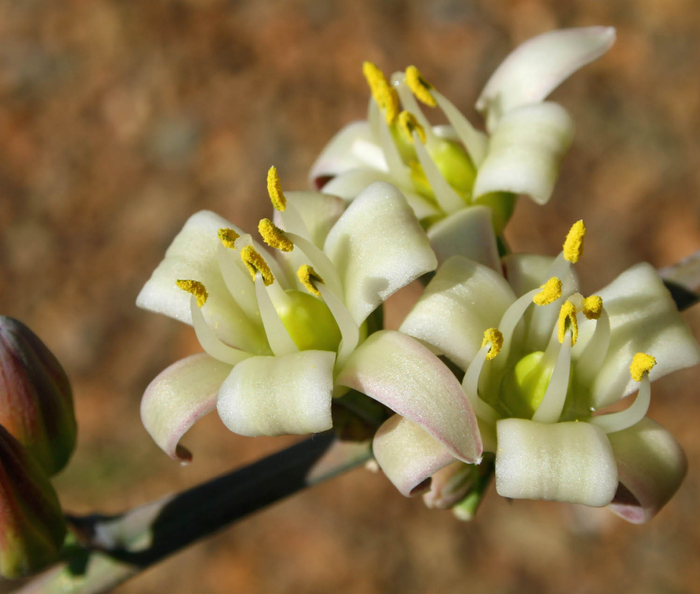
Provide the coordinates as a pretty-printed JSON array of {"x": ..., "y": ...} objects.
[{"x": 309, "y": 322}]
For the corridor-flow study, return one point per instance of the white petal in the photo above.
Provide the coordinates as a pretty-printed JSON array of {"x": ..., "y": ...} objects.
[
  {"x": 402, "y": 374},
  {"x": 538, "y": 66},
  {"x": 377, "y": 246},
  {"x": 643, "y": 318},
  {"x": 352, "y": 147},
  {"x": 651, "y": 466},
  {"x": 279, "y": 395},
  {"x": 570, "y": 462},
  {"x": 193, "y": 256},
  {"x": 408, "y": 455},
  {"x": 525, "y": 152},
  {"x": 468, "y": 233},
  {"x": 318, "y": 211},
  {"x": 463, "y": 300},
  {"x": 178, "y": 398},
  {"x": 526, "y": 271}
]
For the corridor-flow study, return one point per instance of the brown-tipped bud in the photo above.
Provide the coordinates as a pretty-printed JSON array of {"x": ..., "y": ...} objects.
[
  {"x": 36, "y": 402},
  {"x": 32, "y": 526}
]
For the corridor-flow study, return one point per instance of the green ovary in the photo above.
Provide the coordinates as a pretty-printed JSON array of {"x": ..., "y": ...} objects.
[
  {"x": 309, "y": 322},
  {"x": 524, "y": 386}
]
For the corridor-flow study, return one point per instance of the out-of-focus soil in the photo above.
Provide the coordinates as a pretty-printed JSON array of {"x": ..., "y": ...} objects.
[{"x": 120, "y": 118}]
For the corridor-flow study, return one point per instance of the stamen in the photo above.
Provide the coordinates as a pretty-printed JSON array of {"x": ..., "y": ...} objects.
[
  {"x": 641, "y": 364},
  {"x": 349, "y": 330},
  {"x": 278, "y": 337},
  {"x": 474, "y": 141},
  {"x": 319, "y": 261},
  {"x": 595, "y": 352},
  {"x": 554, "y": 397},
  {"x": 238, "y": 282},
  {"x": 274, "y": 236},
  {"x": 195, "y": 288},
  {"x": 470, "y": 385},
  {"x": 210, "y": 342},
  {"x": 384, "y": 94},
  {"x": 510, "y": 320},
  {"x": 409, "y": 124},
  {"x": 421, "y": 88},
  {"x": 551, "y": 291},
  {"x": 228, "y": 238},
  {"x": 567, "y": 320},
  {"x": 494, "y": 338},
  {"x": 592, "y": 307},
  {"x": 381, "y": 129},
  {"x": 256, "y": 263},
  {"x": 274, "y": 190},
  {"x": 573, "y": 246},
  {"x": 306, "y": 275}
]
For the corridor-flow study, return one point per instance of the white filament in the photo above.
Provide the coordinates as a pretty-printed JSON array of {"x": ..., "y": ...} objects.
[
  {"x": 397, "y": 169},
  {"x": 554, "y": 398},
  {"x": 210, "y": 342},
  {"x": 624, "y": 419},
  {"x": 449, "y": 200},
  {"x": 470, "y": 385},
  {"x": 349, "y": 330},
  {"x": 320, "y": 262},
  {"x": 593, "y": 355},
  {"x": 277, "y": 336},
  {"x": 474, "y": 142},
  {"x": 238, "y": 282},
  {"x": 509, "y": 323},
  {"x": 410, "y": 104}
]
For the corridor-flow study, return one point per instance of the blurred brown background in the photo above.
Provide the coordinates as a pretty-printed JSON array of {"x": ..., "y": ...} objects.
[{"x": 120, "y": 118}]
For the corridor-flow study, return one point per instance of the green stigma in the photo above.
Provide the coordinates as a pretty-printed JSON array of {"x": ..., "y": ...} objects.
[{"x": 309, "y": 322}]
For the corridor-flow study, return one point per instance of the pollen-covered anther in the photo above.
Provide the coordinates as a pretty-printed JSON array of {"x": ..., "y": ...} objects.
[
  {"x": 551, "y": 291},
  {"x": 195, "y": 288},
  {"x": 256, "y": 263},
  {"x": 421, "y": 88},
  {"x": 567, "y": 321},
  {"x": 383, "y": 93},
  {"x": 573, "y": 246},
  {"x": 592, "y": 307},
  {"x": 274, "y": 236},
  {"x": 274, "y": 190},
  {"x": 308, "y": 276},
  {"x": 228, "y": 238},
  {"x": 493, "y": 337},
  {"x": 409, "y": 124},
  {"x": 641, "y": 364}
]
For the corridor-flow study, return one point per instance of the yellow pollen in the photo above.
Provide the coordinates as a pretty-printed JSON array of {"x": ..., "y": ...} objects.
[
  {"x": 409, "y": 124},
  {"x": 593, "y": 307},
  {"x": 567, "y": 317},
  {"x": 494, "y": 337},
  {"x": 274, "y": 189},
  {"x": 421, "y": 88},
  {"x": 551, "y": 291},
  {"x": 228, "y": 238},
  {"x": 195, "y": 288},
  {"x": 573, "y": 246},
  {"x": 256, "y": 263},
  {"x": 384, "y": 94},
  {"x": 307, "y": 274},
  {"x": 274, "y": 236},
  {"x": 641, "y": 364}
]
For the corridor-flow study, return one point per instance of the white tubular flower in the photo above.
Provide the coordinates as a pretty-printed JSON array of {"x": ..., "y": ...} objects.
[
  {"x": 542, "y": 365},
  {"x": 455, "y": 176},
  {"x": 278, "y": 327}
]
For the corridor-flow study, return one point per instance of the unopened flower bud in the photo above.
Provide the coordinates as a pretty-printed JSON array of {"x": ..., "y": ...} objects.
[
  {"x": 36, "y": 402},
  {"x": 32, "y": 527}
]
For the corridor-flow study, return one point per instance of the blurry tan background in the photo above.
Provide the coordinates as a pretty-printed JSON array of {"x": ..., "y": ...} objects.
[{"x": 120, "y": 118}]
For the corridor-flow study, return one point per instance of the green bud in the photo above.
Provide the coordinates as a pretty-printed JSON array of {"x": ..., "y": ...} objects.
[
  {"x": 309, "y": 322},
  {"x": 32, "y": 526},
  {"x": 36, "y": 402}
]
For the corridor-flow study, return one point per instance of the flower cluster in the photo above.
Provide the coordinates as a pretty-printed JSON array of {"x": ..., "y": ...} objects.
[{"x": 502, "y": 363}]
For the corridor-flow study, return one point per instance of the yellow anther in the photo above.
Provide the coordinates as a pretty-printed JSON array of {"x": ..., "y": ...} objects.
[
  {"x": 641, "y": 364},
  {"x": 493, "y": 337},
  {"x": 567, "y": 321},
  {"x": 306, "y": 275},
  {"x": 421, "y": 88},
  {"x": 256, "y": 263},
  {"x": 228, "y": 237},
  {"x": 573, "y": 246},
  {"x": 384, "y": 94},
  {"x": 195, "y": 288},
  {"x": 409, "y": 124},
  {"x": 551, "y": 291},
  {"x": 593, "y": 307},
  {"x": 274, "y": 189},
  {"x": 274, "y": 236}
]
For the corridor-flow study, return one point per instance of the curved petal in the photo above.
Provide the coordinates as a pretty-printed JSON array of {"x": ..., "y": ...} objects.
[
  {"x": 352, "y": 147},
  {"x": 651, "y": 465},
  {"x": 570, "y": 462},
  {"x": 525, "y": 152},
  {"x": 463, "y": 299},
  {"x": 178, "y": 397},
  {"x": 538, "y": 66},
  {"x": 279, "y": 395},
  {"x": 402, "y": 374},
  {"x": 193, "y": 255},
  {"x": 408, "y": 455},
  {"x": 643, "y": 318},
  {"x": 468, "y": 233},
  {"x": 319, "y": 211},
  {"x": 377, "y": 246}
]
